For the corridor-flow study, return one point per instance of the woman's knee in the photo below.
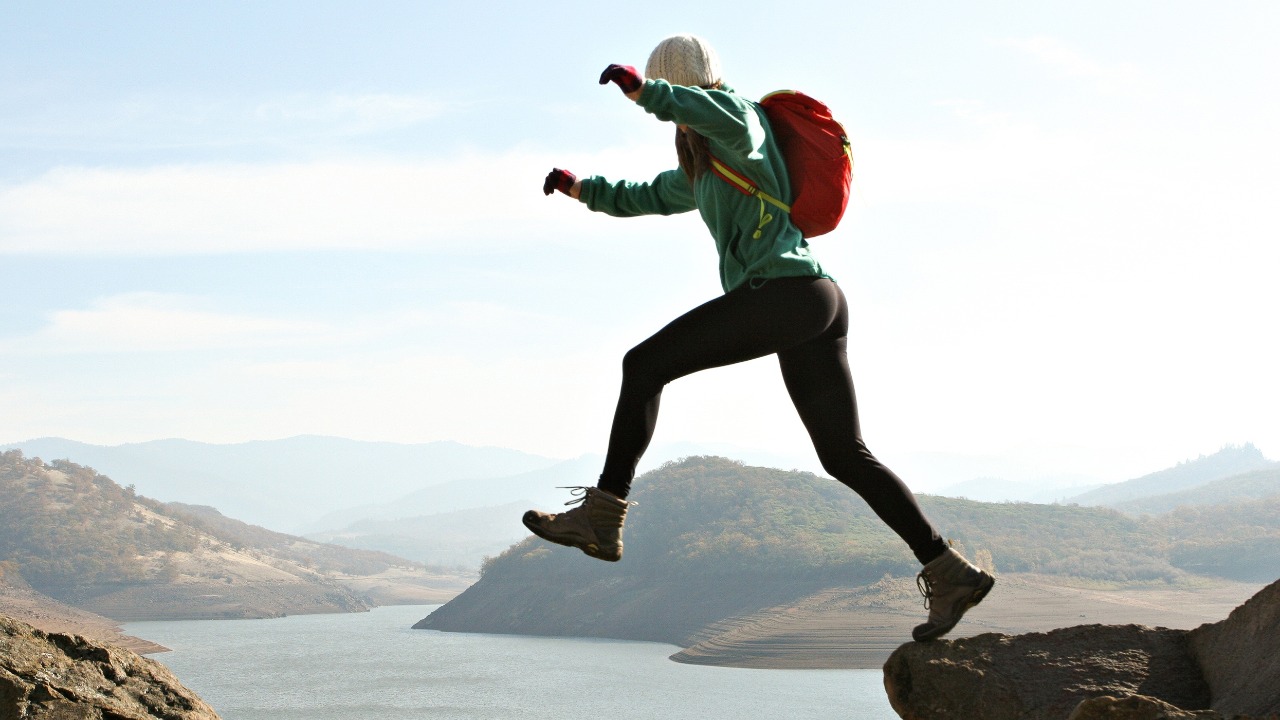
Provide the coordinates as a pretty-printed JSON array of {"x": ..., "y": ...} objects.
[
  {"x": 635, "y": 361},
  {"x": 641, "y": 367},
  {"x": 853, "y": 465}
]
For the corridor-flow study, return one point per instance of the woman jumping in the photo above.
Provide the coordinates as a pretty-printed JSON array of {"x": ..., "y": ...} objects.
[{"x": 777, "y": 301}]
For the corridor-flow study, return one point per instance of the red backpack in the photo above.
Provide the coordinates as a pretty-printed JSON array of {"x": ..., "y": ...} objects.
[{"x": 816, "y": 150}]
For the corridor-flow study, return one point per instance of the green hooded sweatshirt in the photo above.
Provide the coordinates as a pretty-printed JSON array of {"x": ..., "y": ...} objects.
[{"x": 755, "y": 240}]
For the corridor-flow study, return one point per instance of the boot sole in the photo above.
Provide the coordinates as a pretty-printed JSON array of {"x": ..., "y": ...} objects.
[
  {"x": 589, "y": 549},
  {"x": 979, "y": 593}
]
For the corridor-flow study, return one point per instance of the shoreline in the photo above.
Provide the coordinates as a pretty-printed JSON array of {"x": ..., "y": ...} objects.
[
  {"x": 52, "y": 616},
  {"x": 840, "y": 628},
  {"x": 393, "y": 587},
  {"x": 858, "y": 628}
]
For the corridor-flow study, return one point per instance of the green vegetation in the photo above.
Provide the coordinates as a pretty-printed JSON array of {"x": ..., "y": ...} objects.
[
  {"x": 1239, "y": 540},
  {"x": 1085, "y": 542},
  {"x": 65, "y": 526},
  {"x": 707, "y": 517}
]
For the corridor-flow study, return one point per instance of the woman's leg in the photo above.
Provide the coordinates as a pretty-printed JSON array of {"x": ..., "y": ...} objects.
[
  {"x": 741, "y": 325},
  {"x": 817, "y": 377}
]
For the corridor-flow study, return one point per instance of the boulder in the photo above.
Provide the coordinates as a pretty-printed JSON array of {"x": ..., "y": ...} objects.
[
  {"x": 1041, "y": 675},
  {"x": 51, "y": 676},
  {"x": 1227, "y": 669},
  {"x": 1240, "y": 656}
]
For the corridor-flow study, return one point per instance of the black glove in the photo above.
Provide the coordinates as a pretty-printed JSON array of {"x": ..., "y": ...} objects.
[
  {"x": 558, "y": 179},
  {"x": 624, "y": 75}
]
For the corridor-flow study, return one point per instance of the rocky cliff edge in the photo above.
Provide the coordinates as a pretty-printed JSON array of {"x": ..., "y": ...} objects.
[
  {"x": 51, "y": 676},
  {"x": 1227, "y": 669}
]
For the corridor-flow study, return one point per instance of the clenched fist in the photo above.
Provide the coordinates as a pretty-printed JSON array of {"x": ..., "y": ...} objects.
[
  {"x": 558, "y": 179},
  {"x": 625, "y": 76}
]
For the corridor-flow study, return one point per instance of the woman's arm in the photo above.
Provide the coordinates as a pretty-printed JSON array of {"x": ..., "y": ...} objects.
[
  {"x": 719, "y": 115},
  {"x": 667, "y": 194},
  {"x": 716, "y": 114}
]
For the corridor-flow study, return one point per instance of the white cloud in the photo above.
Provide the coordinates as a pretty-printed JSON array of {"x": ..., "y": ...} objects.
[
  {"x": 157, "y": 322},
  {"x": 151, "y": 322},
  {"x": 148, "y": 120},
  {"x": 457, "y": 204}
]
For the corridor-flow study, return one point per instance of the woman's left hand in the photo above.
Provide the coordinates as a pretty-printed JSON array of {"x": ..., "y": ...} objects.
[{"x": 626, "y": 78}]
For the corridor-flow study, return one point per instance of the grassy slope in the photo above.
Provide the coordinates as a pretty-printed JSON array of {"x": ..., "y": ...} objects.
[{"x": 80, "y": 538}]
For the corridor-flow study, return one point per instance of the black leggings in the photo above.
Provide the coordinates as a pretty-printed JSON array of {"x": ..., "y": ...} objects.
[{"x": 805, "y": 321}]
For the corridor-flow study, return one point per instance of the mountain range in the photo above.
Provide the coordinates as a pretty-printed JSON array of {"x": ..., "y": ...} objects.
[
  {"x": 1230, "y": 461},
  {"x": 449, "y": 504},
  {"x": 464, "y": 521},
  {"x": 713, "y": 539},
  {"x": 284, "y": 484}
]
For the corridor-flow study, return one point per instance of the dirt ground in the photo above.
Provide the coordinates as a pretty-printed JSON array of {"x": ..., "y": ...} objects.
[
  {"x": 51, "y": 616},
  {"x": 861, "y": 627},
  {"x": 397, "y": 586}
]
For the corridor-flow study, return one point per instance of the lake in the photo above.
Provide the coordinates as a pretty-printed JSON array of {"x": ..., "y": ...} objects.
[{"x": 367, "y": 666}]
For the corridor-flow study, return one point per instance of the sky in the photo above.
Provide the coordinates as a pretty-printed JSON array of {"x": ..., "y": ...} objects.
[{"x": 246, "y": 221}]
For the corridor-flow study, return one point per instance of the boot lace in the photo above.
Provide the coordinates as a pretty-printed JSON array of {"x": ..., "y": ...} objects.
[
  {"x": 579, "y": 493},
  {"x": 925, "y": 588}
]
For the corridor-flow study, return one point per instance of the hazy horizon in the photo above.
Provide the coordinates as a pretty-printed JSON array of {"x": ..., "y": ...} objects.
[{"x": 931, "y": 471}]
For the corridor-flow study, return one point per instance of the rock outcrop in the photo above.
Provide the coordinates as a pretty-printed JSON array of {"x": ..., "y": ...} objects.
[
  {"x": 1224, "y": 669},
  {"x": 1240, "y": 656},
  {"x": 50, "y": 676},
  {"x": 1138, "y": 707},
  {"x": 1041, "y": 675}
]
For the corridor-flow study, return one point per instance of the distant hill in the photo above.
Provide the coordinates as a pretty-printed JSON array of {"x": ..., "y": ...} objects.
[
  {"x": 711, "y": 539},
  {"x": 542, "y": 487},
  {"x": 1254, "y": 485},
  {"x": 1231, "y": 460},
  {"x": 461, "y": 539},
  {"x": 284, "y": 484},
  {"x": 990, "y": 489},
  {"x": 75, "y": 535},
  {"x": 457, "y": 523}
]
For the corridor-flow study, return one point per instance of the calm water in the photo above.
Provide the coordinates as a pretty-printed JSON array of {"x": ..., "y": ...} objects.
[{"x": 372, "y": 666}]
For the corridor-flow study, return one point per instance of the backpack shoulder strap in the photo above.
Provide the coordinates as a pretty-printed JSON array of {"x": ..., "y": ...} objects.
[{"x": 743, "y": 185}]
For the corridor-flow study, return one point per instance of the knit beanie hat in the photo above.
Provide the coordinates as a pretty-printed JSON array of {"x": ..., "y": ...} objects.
[{"x": 684, "y": 60}]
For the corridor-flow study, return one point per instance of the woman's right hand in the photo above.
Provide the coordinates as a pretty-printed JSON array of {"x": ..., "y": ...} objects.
[{"x": 564, "y": 181}]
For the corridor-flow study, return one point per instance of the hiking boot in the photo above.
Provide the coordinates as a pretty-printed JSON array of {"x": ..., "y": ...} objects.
[
  {"x": 594, "y": 527},
  {"x": 950, "y": 585}
]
